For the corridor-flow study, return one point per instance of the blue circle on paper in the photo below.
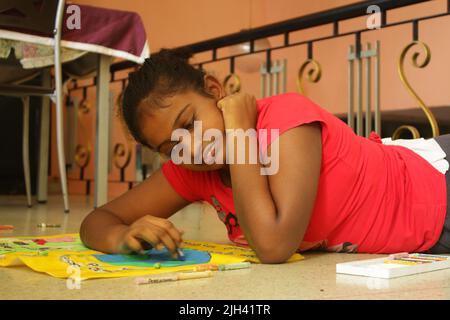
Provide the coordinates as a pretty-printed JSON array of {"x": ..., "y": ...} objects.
[{"x": 154, "y": 256}]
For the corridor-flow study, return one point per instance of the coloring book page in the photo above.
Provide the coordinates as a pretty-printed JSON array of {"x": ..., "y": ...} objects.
[{"x": 64, "y": 255}]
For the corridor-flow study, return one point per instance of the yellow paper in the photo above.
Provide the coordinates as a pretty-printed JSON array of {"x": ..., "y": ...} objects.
[
  {"x": 72, "y": 260},
  {"x": 234, "y": 251}
]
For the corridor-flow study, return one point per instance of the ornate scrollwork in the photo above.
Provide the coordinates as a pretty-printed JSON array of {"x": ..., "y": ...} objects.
[
  {"x": 122, "y": 151},
  {"x": 84, "y": 106},
  {"x": 232, "y": 83},
  {"x": 120, "y": 98},
  {"x": 83, "y": 153},
  {"x": 82, "y": 156},
  {"x": 313, "y": 75},
  {"x": 415, "y": 62}
]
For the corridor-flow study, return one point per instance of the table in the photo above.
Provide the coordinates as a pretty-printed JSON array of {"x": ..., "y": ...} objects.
[{"x": 109, "y": 33}]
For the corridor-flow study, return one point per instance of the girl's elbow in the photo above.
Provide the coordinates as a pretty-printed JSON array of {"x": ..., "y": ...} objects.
[
  {"x": 83, "y": 232},
  {"x": 273, "y": 255},
  {"x": 272, "y": 259}
]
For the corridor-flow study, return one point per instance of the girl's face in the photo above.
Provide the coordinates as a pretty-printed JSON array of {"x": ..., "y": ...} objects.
[{"x": 179, "y": 111}]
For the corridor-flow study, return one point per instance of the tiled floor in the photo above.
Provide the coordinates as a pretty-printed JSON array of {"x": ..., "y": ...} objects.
[{"x": 312, "y": 278}]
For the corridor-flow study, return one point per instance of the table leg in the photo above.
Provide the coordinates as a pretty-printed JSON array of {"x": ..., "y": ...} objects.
[
  {"x": 26, "y": 147},
  {"x": 102, "y": 132},
  {"x": 44, "y": 135}
]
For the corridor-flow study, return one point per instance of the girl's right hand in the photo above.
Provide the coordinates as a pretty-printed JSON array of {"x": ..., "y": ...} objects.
[{"x": 150, "y": 230}]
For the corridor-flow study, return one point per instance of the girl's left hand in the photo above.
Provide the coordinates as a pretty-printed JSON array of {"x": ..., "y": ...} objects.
[{"x": 239, "y": 111}]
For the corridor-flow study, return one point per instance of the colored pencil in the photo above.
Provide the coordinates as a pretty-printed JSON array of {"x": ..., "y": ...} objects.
[{"x": 174, "y": 277}]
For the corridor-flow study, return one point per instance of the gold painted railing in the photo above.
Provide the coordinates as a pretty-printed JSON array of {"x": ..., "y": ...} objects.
[
  {"x": 313, "y": 75},
  {"x": 401, "y": 71}
]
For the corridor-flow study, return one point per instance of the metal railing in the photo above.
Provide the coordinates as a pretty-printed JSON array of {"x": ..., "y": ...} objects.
[{"x": 357, "y": 54}]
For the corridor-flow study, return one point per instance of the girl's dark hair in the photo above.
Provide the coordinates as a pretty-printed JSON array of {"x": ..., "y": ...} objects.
[{"x": 164, "y": 73}]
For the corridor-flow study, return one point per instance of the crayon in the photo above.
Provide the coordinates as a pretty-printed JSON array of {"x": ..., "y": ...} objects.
[
  {"x": 415, "y": 260},
  {"x": 44, "y": 225},
  {"x": 399, "y": 255},
  {"x": 234, "y": 266},
  {"x": 155, "y": 279},
  {"x": 212, "y": 267},
  {"x": 174, "y": 277},
  {"x": 6, "y": 227},
  {"x": 181, "y": 255},
  {"x": 429, "y": 256},
  {"x": 428, "y": 259},
  {"x": 409, "y": 263}
]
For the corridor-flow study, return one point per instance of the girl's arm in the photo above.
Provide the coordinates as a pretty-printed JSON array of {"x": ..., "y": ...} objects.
[
  {"x": 137, "y": 217},
  {"x": 274, "y": 210}
]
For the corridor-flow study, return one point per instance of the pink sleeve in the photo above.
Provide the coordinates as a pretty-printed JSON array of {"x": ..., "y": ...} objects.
[
  {"x": 285, "y": 112},
  {"x": 182, "y": 180},
  {"x": 373, "y": 136}
]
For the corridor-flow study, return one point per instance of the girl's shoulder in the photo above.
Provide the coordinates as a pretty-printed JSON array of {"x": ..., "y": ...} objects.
[
  {"x": 283, "y": 98},
  {"x": 287, "y": 110}
]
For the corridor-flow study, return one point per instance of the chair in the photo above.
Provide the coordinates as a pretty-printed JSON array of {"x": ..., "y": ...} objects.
[{"x": 23, "y": 15}]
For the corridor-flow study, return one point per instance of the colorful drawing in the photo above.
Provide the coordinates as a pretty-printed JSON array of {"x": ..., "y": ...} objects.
[
  {"x": 62, "y": 255},
  {"x": 25, "y": 244}
]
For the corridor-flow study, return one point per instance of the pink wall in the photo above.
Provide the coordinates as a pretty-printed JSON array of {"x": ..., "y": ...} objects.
[{"x": 173, "y": 23}]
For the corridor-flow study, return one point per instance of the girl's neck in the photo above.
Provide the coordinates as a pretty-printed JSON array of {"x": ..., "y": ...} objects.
[{"x": 225, "y": 176}]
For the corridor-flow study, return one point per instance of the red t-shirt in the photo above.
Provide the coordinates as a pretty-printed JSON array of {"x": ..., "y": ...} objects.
[{"x": 371, "y": 197}]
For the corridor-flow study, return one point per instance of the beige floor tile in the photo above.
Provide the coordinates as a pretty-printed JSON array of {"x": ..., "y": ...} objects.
[{"x": 312, "y": 278}]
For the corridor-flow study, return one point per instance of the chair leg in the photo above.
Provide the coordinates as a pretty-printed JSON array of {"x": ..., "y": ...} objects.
[
  {"x": 26, "y": 147},
  {"x": 61, "y": 155},
  {"x": 44, "y": 135},
  {"x": 59, "y": 105}
]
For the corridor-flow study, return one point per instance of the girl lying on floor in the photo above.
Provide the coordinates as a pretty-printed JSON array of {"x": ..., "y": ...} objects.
[{"x": 315, "y": 185}]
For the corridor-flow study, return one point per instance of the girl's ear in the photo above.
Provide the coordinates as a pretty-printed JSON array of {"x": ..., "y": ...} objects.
[{"x": 214, "y": 87}]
